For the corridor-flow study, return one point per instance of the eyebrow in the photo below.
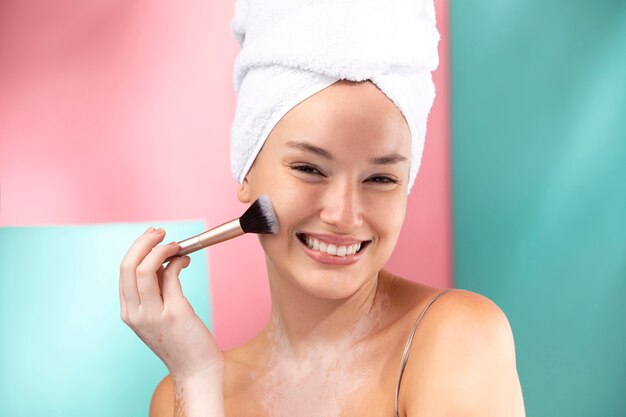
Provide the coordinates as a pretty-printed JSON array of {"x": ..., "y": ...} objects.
[
  {"x": 316, "y": 150},
  {"x": 388, "y": 159},
  {"x": 307, "y": 147}
]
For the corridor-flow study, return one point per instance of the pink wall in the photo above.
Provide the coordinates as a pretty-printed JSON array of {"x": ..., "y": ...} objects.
[{"x": 104, "y": 105}]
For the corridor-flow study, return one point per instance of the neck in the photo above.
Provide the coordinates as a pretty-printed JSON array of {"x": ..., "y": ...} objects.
[{"x": 303, "y": 325}]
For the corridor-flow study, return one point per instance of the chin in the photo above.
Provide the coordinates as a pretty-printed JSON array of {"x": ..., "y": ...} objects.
[{"x": 329, "y": 285}]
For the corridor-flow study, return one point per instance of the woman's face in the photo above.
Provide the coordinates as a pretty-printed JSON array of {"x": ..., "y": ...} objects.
[{"x": 336, "y": 169}]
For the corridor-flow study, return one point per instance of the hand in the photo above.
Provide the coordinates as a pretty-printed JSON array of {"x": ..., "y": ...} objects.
[{"x": 154, "y": 307}]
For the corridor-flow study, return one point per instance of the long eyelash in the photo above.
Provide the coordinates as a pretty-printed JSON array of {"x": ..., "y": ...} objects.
[
  {"x": 307, "y": 169},
  {"x": 387, "y": 180}
]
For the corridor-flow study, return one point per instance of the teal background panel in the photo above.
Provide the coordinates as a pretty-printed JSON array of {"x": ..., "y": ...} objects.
[
  {"x": 539, "y": 190},
  {"x": 65, "y": 350}
]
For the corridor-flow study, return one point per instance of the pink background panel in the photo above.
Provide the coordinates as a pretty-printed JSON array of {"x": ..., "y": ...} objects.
[{"x": 116, "y": 111}]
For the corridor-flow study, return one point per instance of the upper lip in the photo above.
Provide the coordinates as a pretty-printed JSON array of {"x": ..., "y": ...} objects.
[{"x": 335, "y": 240}]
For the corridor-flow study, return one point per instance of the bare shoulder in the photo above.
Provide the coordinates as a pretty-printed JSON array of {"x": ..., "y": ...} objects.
[
  {"x": 462, "y": 360},
  {"x": 162, "y": 403},
  {"x": 462, "y": 313}
]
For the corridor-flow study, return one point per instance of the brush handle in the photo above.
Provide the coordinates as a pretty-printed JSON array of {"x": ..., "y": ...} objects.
[{"x": 218, "y": 234}]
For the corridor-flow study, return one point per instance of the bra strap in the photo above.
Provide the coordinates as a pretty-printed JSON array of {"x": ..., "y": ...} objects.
[{"x": 407, "y": 348}]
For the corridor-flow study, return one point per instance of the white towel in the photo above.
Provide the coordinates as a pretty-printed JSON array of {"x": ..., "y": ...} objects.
[{"x": 291, "y": 49}]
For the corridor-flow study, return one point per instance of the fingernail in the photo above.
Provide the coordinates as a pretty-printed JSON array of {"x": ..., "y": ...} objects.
[
  {"x": 149, "y": 230},
  {"x": 158, "y": 231},
  {"x": 173, "y": 243}
]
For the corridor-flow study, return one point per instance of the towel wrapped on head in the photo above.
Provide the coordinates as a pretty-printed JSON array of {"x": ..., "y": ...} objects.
[{"x": 292, "y": 49}]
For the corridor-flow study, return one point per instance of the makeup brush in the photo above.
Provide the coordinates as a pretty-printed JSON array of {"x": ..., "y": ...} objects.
[{"x": 259, "y": 218}]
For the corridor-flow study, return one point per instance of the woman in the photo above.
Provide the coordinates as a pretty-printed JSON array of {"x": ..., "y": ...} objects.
[{"x": 339, "y": 326}]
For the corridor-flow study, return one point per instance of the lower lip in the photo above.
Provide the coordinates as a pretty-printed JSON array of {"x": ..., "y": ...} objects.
[{"x": 325, "y": 258}]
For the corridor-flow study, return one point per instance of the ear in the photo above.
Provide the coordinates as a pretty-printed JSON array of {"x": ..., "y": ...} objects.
[{"x": 244, "y": 192}]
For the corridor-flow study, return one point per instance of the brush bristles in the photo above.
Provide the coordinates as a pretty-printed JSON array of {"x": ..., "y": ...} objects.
[{"x": 260, "y": 217}]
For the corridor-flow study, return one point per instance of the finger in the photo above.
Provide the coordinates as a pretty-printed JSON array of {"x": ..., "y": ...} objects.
[
  {"x": 123, "y": 308},
  {"x": 136, "y": 253},
  {"x": 147, "y": 280},
  {"x": 172, "y": 289}
]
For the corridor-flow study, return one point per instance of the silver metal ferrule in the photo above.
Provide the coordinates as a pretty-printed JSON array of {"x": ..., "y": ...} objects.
[{"x": 218, "y": 234}]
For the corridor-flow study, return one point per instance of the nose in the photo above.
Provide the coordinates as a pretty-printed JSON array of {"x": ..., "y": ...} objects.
[{"x": 341, "y": 207}]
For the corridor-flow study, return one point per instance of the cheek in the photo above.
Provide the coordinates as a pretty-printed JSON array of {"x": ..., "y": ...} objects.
[
  {"x": 293, "y": 204},
  {"x": 291, "y": 201},
  {"x": 386, "y": 213}
]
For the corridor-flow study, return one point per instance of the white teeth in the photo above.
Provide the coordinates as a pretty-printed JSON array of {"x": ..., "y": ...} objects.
[{"x": 331, "y": 249}]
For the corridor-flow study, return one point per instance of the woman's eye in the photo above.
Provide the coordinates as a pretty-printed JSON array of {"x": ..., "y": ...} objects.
[
  {"x": 307, "y": 169},
  {"x": 383, "y": 180}
]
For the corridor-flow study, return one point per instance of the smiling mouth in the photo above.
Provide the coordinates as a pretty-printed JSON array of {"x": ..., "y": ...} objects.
[{"x": 332, "y": 249}]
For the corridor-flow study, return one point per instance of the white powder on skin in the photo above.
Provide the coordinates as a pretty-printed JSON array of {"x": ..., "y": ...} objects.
[{"x": 320, "y": 383}]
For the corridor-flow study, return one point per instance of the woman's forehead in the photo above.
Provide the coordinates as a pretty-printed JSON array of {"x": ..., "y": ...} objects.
[
  {"x": 343, "y": 99},
  {"x": 358, "y": 114}
]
